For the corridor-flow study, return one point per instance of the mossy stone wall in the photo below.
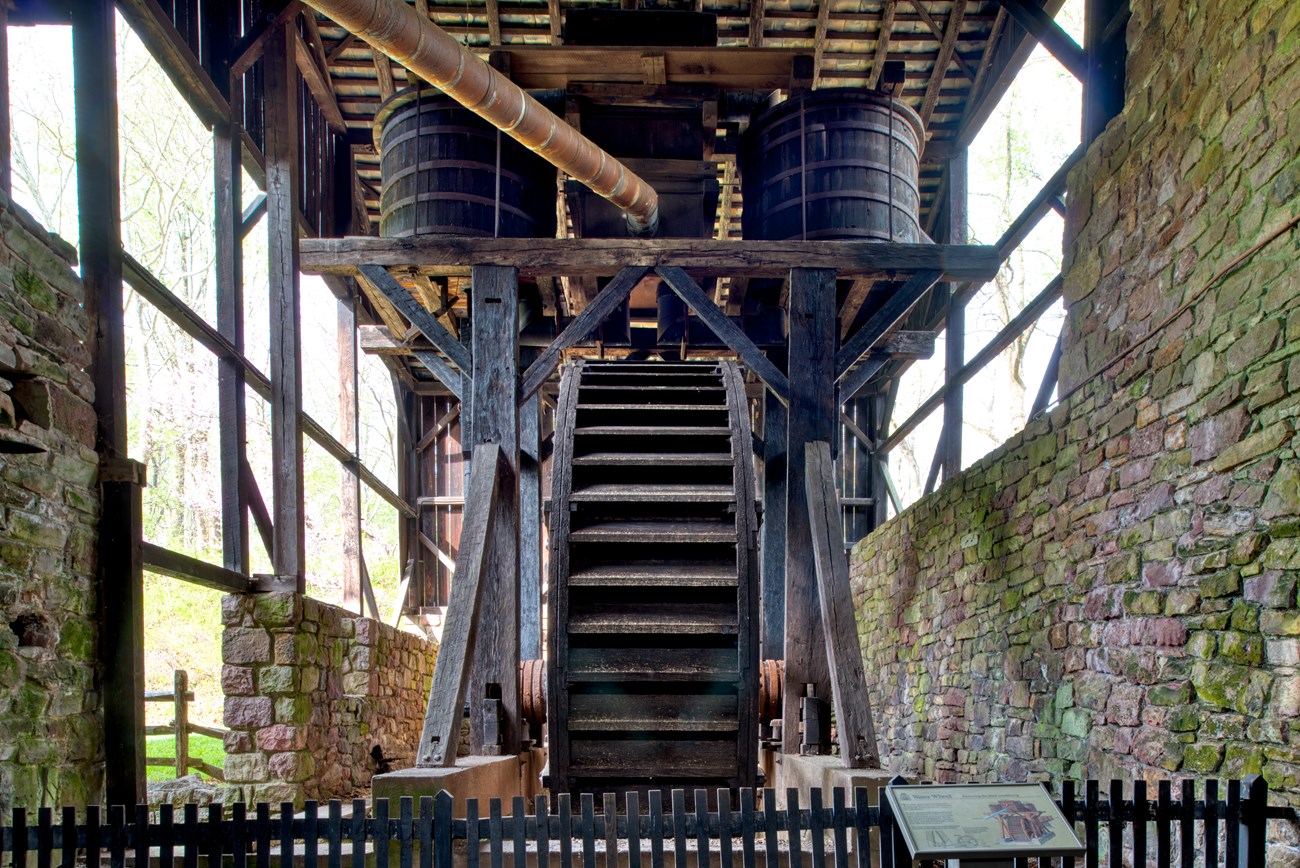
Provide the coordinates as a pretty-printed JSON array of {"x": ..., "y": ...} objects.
[
  {"x": 51, "y": 719},
  {"x": 1113, "y": 592}
]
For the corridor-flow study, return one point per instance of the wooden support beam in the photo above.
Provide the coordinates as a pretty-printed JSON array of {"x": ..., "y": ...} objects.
[
  {"x": 852, "y": 384},
  {"x": 443, "y": 372},
  {"x": 289, "y": 557},
  {"x": 120, "y": 654},
  {"x": 894, "y": 499},
  {"x": 757, "y": 15},
  {"x": 857, "y": 432},
  {"x": 606, "y": 302},
  {"x": 494, "y": 409},
  {"x": 157, "y": 559},
  {"x": 859, "y": 289},
  {"x": 257, "y": 506},
  {"x": 857, "y": 730},
  {"x": 343, "y": 45},
  {"x": 1050, "y": 377},
  {"x": 947, "y": 49},
  {"x": 883, "y": 36},
  {"x": 812, "y": 417},
  {"x": 252, "y": 216},
  {"x": 555, "y": 19},
  {"x": 772, "y": 529},
  {"x": 955, "y": 230},
  {"x": 1034, "y": 18},
  {"x": 1008, "y": 48},
  {"x": 530, "y": 528},
  {"x": 442, "y": 716},
  {"x": 232, "y": 422},
  {"x": 1012, "y": 330},
  {"x": 937, "y": 30},
  {"x": 493, "y": 22},
  {"x": 350, "y": 483},
  {"x": 398, "y": 296},
  {"x": 603, "y": 257},
  {"x": 884, "y": 319},
  {"x": 318, "y": 83},
  {"x": 154, "y": 27},
  {"x": 384, "y": 74},
  {"x": 819, "y": 38},
  {"x": 196, "y": 327},
  {"x": 727, "y": 331}
]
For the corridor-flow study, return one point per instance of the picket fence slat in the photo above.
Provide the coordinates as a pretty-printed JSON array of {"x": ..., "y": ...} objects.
[{"x": 1225, "y": 829}]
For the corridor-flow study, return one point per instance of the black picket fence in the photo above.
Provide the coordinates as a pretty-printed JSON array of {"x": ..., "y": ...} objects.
[{"x": 1225, "y": 827}]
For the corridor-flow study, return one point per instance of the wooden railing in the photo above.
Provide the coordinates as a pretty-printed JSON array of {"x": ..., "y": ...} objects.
[
  {"x": 181, "y": 696},
  {"x": 1225, "y": 827}
]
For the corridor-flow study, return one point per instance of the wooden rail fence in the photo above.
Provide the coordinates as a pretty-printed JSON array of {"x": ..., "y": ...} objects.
[
  {"x": 1225, "y": 827},
  {"x": 181, "y": 696}
]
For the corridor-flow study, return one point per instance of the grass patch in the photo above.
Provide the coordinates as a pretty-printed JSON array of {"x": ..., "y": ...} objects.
[{"x": 208, "y": 749}]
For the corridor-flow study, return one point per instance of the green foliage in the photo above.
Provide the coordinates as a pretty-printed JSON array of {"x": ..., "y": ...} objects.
[
  {"x": 168, "y": 218},
  {"x": 210, "y": 750}
]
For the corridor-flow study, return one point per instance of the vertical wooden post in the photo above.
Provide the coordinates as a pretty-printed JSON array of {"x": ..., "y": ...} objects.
[
  {"x": 812, "y": 417},
  {"x": 773, "y": 527},
  {"x": 350, "y": 491},
  {"x": 530, "y": 528},
  {"x": 232, "y": 423},
  {"x": 181, "y": 720},
  {"x": 120, "y": 579},
  {"x": 290, "y": 541},
  {"x": 1106, "y": 47},
  {"x": 494, "y": 300},
  {"x": 955, "y": 340}
]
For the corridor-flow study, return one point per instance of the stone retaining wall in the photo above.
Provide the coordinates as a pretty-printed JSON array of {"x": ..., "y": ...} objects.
[
  {"x": 1113, "y": 592},
  {"x": 311, "y": 691},
  {"x": 51, "y": 751}
]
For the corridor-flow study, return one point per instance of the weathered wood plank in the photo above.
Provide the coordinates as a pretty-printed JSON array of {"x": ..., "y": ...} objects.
[
  {"x": 955, "y": 330},
  {"x": 530, "y": 529},
  {"x": 857, "y": 731},
  {"x": 350, "y": 488},
  {"x": 442, "y": 715},
  {"x": 889, "y": 314},
  {"x": 289, "y": 555},
  {"x": 397, "y": 295},
  {"x": 598, "y": 257},
  {"x": 120, "y": 652},
  {"x": 812, "y": 417},
  {"x": 1043, "y": 27},
  {"x": 753, "y": 358},
  {"x": 609, "y": 298},
  {"x": 230, "y": 323},
  {"x": 773, "y": 527},
  {"x": 882, "y": 43},
  {"x": 860, "y": 376},
  {"x": 1021, "y": 321},
  {"x": 157, "y": 559},
  {"x": 443, "y": 372},
  {"x": 494, "y": 410}
]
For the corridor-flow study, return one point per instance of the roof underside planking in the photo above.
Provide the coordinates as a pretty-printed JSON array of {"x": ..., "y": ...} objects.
[
  {"x": 958, "y": 58},
  {"x": 974, "y": 40}
]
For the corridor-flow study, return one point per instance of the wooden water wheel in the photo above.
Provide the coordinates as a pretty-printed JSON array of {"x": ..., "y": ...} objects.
[{"x": 653, "y": 586}]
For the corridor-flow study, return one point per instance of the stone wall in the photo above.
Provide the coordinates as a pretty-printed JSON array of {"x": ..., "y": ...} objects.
[
  {"x": 1113, "y": 592},
  {"x": 311, "y": 690},
  {"x": 51, "y": 750}
]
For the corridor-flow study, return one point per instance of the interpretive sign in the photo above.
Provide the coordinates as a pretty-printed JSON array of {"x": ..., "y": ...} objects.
[{"x": 981, "y": 821}]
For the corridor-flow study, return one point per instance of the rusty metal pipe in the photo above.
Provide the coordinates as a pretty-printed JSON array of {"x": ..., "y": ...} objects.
[{"x": 395, "y": 28}]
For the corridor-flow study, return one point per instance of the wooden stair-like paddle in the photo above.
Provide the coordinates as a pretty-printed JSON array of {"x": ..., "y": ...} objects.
[{"x": 653, "y": 594}]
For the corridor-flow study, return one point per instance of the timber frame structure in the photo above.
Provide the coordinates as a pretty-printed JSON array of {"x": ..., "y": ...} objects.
[{"x": 290, "y": 98}]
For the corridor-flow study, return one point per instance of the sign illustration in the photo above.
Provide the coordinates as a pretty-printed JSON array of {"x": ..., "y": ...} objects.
[{"x": 981, "y": 821}]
